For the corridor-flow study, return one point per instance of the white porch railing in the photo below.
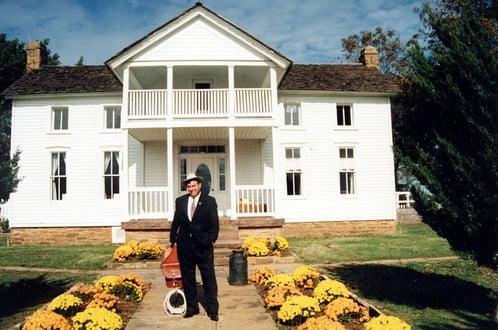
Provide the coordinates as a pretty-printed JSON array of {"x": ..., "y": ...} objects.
[
  {"x": 253, "y": 102},
  {"x": 404, "y": 200},
  {"x": 255, "y": 200},
  {"x": 150, "y": 103},
  {"x": 148, "y": 202},
  {"x": 200, "y": 102}
]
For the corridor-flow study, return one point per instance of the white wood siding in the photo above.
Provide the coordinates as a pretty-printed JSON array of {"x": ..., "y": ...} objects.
[
  {"x": 198, "y": 40},
  {"x": 320, "y": 139},
  {"x": 135, "y": 162},
  {"x": 156, "y": 173},
  {"x": 84, "y": 144},
  {"x": 248, "y": 162}
]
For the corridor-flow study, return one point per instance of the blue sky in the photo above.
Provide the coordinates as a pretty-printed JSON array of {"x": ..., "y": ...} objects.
[{"x": 304, "y": 31}]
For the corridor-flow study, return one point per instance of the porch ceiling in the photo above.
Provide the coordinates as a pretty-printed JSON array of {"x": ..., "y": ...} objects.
[
  {"x": 199, "y": 133},
  {"x": 148, "y": 134}
]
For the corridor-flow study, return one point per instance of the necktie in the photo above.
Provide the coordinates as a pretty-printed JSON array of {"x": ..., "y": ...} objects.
[{"x": 192, "y": 209}]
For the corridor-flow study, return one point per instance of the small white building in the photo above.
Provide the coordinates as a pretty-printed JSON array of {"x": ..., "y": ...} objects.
[{"x": 105, "y": 148}]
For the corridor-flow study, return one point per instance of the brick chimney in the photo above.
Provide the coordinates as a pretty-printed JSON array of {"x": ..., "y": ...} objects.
[
  {"x": 36, "y": 55},
  {"x": 370, "y": 57}
]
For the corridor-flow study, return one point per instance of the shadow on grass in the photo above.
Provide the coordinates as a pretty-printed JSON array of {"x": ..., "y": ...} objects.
[
  {"x": 415, "y": 289},
  {"x": 19, "y": 295}
]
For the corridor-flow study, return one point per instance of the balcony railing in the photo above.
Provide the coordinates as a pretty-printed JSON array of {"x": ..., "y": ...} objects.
[
  {"x": 253, "y": 102},
  {"x": 148, "y": 202},
  {"x": 200, "y": 102},
  {"x": 404, "y": 200},
  {"x": 150, "y": 103},
  {"x": 255, "y": 200}
]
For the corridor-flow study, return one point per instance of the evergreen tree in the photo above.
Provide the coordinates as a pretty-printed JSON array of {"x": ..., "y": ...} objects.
[
  {"x": 12, "y": 67},
  {"x": 449, "y": 139},
  {"x": 80, "y": 61}
]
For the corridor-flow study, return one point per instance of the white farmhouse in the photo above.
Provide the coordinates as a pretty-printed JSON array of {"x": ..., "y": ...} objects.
[{"x": 300, "y": 149}]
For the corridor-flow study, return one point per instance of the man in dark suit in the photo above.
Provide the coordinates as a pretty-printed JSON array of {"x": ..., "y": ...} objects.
[{"x": 195, "y": 229}]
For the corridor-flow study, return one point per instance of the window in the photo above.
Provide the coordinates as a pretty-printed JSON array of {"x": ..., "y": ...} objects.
[
  {"x": 59, "y": 118},
  {"x": 183, "y": 174},
  {"x": 292, "y": 113},
  {"x": 202, "y": 149},
  {"x": 111, "y": 174},
  {"x": 293, "y": 153},
  {"x": 346, "y": 153},
  {"x": 222, "y": 172},
  {"x": 293, "y": 182},
  {"x": 112, "y": 117},
  {"x": 346, "y": 180},
  {"x": 58, "y": 176},
  {"x": 344, "y": 115}
]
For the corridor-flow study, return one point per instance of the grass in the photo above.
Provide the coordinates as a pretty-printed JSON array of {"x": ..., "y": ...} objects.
[
  {"x": 23, "y": 292},
  {"x": 87, "y": 257},
  {"x": 409, "y": 241},
  {"x": 3, "y": 239},
  {"x": 454, "y": 294}
]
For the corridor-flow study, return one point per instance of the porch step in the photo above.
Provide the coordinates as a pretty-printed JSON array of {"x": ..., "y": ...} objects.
[{"x": 227, "y": 244}]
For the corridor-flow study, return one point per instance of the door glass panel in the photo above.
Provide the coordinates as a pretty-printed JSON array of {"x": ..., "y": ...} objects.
[{"x": 203, "y": 171}]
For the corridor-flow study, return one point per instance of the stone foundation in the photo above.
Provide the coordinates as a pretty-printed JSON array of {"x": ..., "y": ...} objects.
[
  {"x": 61, "y": 235},
  {"x": 337, "y": 228}
]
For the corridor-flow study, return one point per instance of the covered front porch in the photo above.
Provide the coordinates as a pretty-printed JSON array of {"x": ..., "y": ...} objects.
[{"x": 237, "y": 164}]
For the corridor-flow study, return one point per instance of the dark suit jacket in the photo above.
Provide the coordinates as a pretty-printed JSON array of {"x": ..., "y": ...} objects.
[{"x": 203, "y": 230}]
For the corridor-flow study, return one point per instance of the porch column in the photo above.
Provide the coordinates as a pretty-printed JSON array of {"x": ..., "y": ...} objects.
[
  {"x": 277, "y": 170},
  {"x": 231, "y": 91},
  {"x": 124, "y": 157},
  {"x": 233, "y": 195},
  {"x": 169, "y": 151},
  {"x": 169, "y": 86},
  {"x": 274, "y": 91}
]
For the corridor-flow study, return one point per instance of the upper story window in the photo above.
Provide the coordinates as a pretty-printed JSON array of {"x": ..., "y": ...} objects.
[
  {"x": 60, "y": 119},
  {"x": 292, "y": 114},
  {"x": 112, "y": 117},
  {"x": 58, "y": 177},
  {"x": 346, "y": 153},
  {"x": 293, "y": 153},
  {"x": 344, "y": 116}
]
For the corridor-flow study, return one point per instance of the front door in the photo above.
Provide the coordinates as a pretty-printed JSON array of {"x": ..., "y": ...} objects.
[{"x": 204, "y": 167}]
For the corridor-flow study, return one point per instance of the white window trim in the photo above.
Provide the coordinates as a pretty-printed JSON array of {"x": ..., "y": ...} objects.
[
  {"x": 104, "y": 128},
  {"x": 103, "y": 150},
  {"x": 300, "y": 117},
  {"x": 51, "y": 130},
  {"x": 294, "y": 164},
  {"x": 51, "y": 150},
  {"x": 355, "y": 182},
  {"x": 352, "y": 127}
]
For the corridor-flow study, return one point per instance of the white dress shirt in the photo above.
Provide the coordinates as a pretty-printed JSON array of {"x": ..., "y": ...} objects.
[{"x": 189, "y": 206}]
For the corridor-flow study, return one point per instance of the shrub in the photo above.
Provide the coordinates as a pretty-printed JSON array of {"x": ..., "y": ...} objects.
[
  {"x": 280, "y": 280},
  {"x": 4, "y": 226},
  {"x": 97, "y": 319},
  {"x": 104, "y": 300},
  {"x": 149, "y": 250},
  {"x": 65, "y": 304},
  {"x": 321, "y": 323},
  {"x": 132, "y": 278},
  {"x": 258, "y": 249},
  {"x": 123, "y": 253},
  {"x": 344, "y": 309},
  {"x": 46, "y": 320},
  {"x": 127, "y": 291},
  {"x": 280, "y": 244},
  {"x": 277, "y": 296},
  {"x": 327, "y": 290},
  {"x": 296, "y": 309},
  {"x": 134, "y": 244},
  {"x": 385, "y": 322},
  {"x": 306, "y": 277},
  {"x": 107, "y": 283},
  {"x": 261, "y": 275}
]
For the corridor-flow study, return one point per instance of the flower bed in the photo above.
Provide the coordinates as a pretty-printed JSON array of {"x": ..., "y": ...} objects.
[
  {"x": 307, "y": 300},
  {"x": 106, "y": 304},
  {"x": 135, "y": 250},
  {"x": 260, "y": 246}
]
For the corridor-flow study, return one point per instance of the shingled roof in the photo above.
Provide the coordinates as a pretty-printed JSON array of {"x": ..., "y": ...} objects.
[
  {"x": 307, "y": 77},
  {"x": 338, "y": 78},
  {"x": 66, "y": 79}
]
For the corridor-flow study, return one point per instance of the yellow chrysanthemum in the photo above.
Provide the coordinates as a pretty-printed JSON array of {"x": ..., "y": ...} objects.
[
  {"x": 327, "y": 290},
  {"x": 97, "y": 319},
  {"x": 65, "y": 304},
  {"x": 321, "y": 323},
  {"x": 261, "y": 275},
  {"x": 46, "y": 320},
  {"x": 297, "y": 308},
  {"x": 385, "y": 322},
  {"x": 280, "y": 280}
]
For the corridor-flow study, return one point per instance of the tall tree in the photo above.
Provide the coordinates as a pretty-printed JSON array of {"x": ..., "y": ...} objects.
[
  {"x": 80, "y": 61},
  {"x": 450, "y": 145},
  {"x": 12, "y": 67}
]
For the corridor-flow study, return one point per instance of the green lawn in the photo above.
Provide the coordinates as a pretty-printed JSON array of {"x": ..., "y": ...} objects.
[
  {"x": 455, "y": 294},
  {"x": 57, "y": 256},
  {"x": 409, "y": 241},
  {"x": 21, "y": 293},
  {"x": 3, "y": 239}
]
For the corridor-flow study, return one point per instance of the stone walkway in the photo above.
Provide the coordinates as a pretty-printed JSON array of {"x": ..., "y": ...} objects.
[{"x": 240, "y": 306}]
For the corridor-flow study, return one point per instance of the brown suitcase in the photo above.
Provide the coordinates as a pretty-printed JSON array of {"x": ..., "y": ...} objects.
[{"x": 171, "y": 269}]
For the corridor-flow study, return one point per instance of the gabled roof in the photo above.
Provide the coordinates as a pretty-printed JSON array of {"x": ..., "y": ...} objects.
[
  {"x": 65, "y": 79},
  {"x": 200, "y": 7},
  {"x": 338, "y": 78}
]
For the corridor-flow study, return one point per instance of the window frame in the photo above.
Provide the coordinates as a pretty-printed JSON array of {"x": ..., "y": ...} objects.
[
  {"x": 183, "y": 176},
  {"x": 351, "y": 115},
  {"x": 350, "y": 190},
  {"x": 113, "y": 108},
  {"x": 222, "y": 174},
  {"x": 293, "y": 172},
  {"x": 58, "y": 176},
  {"x": 114, "y": 196},
  {"x": 60, "y": 130},
  {"x": 299, "y": 115}
]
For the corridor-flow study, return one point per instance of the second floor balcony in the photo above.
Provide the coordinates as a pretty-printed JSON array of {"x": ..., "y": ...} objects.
[{"x": 168, "y": 93}]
